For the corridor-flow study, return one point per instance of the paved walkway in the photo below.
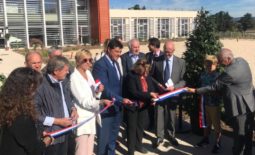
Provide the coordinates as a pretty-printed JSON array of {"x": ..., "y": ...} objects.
[
  {"x": 186, "y": 147},
  {"x": 9, "y": 61}
]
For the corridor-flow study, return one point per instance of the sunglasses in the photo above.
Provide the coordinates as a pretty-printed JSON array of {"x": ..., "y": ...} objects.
[{"x": 87, "y": 60}]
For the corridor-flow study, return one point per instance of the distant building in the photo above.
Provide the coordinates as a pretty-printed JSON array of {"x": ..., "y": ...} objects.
[
  {"x": 69, "y": 22},
  {"x": 143, "y": 24},
  {"x": 55, "y": 22}
]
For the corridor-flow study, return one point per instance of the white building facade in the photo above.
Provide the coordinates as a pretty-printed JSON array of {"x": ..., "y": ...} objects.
[
  {"x": 143, "y": 24},
  {"x": 54, "y": 22}
]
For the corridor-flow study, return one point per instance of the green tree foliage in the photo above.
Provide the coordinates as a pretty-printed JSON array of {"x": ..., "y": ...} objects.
[
  {"x": 201, "y": 42},
  {"x": 2, "y": 80},
  {"x": 137, "y": 7},
  {"x": 224, "y": 22},
  {"x": 246, "y": 22}
]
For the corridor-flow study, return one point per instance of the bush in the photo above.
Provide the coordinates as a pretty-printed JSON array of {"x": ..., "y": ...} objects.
[
  {"x": 202, "y": 41},
  {"x": 35, "y": 43},
  {"x": 2, "y": 80}
]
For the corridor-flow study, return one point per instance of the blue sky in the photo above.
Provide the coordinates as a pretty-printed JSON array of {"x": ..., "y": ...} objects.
[{"x": 236, "y": 8}]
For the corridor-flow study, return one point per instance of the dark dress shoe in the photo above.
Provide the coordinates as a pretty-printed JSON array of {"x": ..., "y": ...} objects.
[
  {"x": 157, "y": 142},
  {"x": 141, "y": 150},
  {"x": 216, "y": 148},
  {"x": 173, "y": 141}
]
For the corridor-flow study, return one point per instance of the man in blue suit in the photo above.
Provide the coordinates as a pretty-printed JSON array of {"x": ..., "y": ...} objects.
[{"x": 107, "y": 70}]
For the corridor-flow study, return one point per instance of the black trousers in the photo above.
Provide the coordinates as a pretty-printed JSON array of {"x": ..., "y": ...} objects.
[
  {"x": 243, "y": 132},
  {"x": 135, "y": 127},
  {"x": 65, "y": 148},
  {"x": 57, "y": 149}
]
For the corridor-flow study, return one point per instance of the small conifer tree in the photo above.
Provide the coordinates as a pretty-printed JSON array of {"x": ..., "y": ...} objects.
[{"x": 201, "y": 42}]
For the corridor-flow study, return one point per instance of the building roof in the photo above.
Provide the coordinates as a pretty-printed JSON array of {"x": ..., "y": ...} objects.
[{"x": 151, "y": 13}]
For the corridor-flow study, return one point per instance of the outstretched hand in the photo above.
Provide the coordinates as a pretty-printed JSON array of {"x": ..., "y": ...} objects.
[
  {"x": 107, "y": 102},
  {"x": 191, "y": 90},
  {"x": 154, "y": 95},
  {"x": 47, "y": 140},
  {"x": 100, "y": 88},
  {"x": 126, "y": 101}
]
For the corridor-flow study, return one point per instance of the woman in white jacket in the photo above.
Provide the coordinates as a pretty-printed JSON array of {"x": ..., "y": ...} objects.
[{"x": 87, "y": 95}]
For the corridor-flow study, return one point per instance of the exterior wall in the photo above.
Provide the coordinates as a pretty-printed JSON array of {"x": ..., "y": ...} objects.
[
  {"x": 143, "y": 24},
  {"x": 54, "y": 22},
  {"x": 100, "y": 24}
]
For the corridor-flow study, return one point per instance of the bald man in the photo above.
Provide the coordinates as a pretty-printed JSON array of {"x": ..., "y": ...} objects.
[
  {"x": 33, "y": 60},
  {"x": 168, "y": 70},
  {"x": 235, "y": 84}
]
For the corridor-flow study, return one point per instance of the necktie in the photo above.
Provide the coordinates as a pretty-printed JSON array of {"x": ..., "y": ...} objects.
[
  {"x": 114, "y": 63},
  {"x": 166, "y": 71},
  {"x": 63, "y": 101}
]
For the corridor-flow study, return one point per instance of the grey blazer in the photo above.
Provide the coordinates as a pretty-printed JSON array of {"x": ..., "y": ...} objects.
[
  {"x": 127, "y": 62},
  {"x": 235, "y": 84},
  {"x": 177, "y": 74}
]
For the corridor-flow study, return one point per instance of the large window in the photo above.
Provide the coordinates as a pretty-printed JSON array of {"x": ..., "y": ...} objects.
[
  {"x": 141, "y": 29},
  {"x": 163, "y": 28},
  {"x": 51, "y": 6},
  {"x": 81, "y": 5},
  {"x": 116, "y": 27},
  {"x": 83, "y": 21},
  {"x": 183, "y": 27}
]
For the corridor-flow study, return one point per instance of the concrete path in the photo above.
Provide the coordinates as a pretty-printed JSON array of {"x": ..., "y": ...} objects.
[
  {"x": 186, "y": 147},
  {"x": 9, "y": 61}
]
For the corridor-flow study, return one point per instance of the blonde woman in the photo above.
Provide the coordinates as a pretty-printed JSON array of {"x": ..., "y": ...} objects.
[{"x": 84, "y": 90}]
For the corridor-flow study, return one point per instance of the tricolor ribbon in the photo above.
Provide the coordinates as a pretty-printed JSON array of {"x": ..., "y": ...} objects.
[
  {"x": 98, "y": 82},
  {"x": 65, "y": 130},
  {"x": 202, "y": 118},
  {"x": 170, "y": 94}
]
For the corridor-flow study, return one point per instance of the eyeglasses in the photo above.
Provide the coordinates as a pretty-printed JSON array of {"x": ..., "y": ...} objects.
[{"x": 87, "y": 60}]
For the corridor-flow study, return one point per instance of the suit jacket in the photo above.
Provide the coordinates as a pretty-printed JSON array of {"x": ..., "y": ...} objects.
[
  {"x": 48, "y": 102},
  {"x": 149, "y": 56},
  {"x": 134, "y": 90},
  {"x": 104, "y": 71},
  {"x": 178, "y": 70},
  {"x": 20, "y": 138},
  {"x": 127, "y": 62},
  {"x": 235, "y": 83}
]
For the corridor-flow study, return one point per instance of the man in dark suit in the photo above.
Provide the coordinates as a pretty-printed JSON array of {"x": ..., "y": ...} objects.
[
  {"x": 107, "y": 70},
  {"x": 168, "y": 70},
  {"x": 235, "y": 83},
  {"x": 154, "y": 48},
  {"x": 130, "y": 57}
]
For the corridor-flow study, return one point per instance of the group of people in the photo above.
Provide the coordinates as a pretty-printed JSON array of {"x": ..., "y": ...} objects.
[{"x": 36, "y": 101}]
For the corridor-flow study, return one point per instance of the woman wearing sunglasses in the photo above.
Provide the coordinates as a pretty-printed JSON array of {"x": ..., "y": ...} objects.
[{"x": 84, "y": 90}]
